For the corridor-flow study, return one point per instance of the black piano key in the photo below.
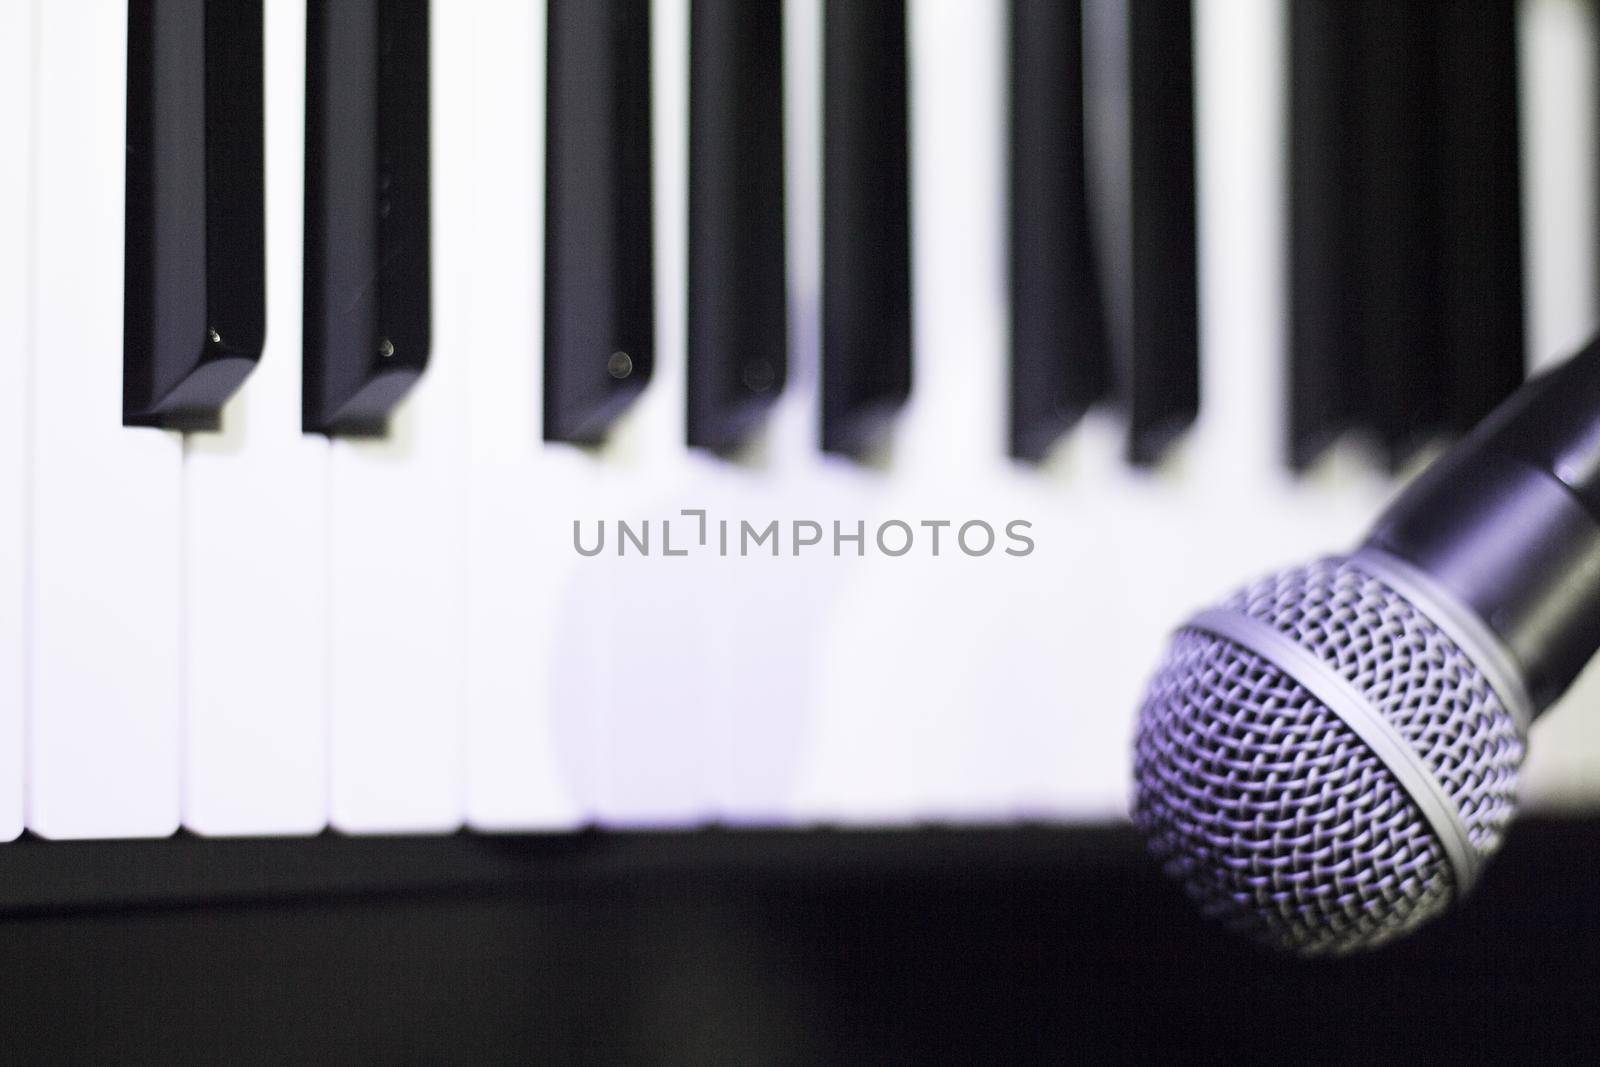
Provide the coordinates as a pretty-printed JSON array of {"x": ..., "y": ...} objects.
[
  {"x": 367, "y": 230},
  {"x": 1400, "y": 336},
  {"x": 1406, "y": 303},
  {"x": 738, "y": 334},
  {"x": 194, "y": 314},
  {"x": 1060, "y": 361},
  {"x": 599, "y": 277},
  {"x": 1139, "y": 96},
  {"x": 1325, "y": 398},
  {"x": 1482, "y": 193},
  {"x": 866, "y": 246}
]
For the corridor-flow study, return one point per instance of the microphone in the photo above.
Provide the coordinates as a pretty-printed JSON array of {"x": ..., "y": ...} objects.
[{"x": 1326, "y": 760}]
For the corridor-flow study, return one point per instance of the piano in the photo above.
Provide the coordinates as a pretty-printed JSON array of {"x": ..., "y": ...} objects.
[{"x": 915, "y": 367}]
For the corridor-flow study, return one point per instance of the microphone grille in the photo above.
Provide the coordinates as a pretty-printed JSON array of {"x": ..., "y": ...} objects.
[{"x": 1270, "y": 807}]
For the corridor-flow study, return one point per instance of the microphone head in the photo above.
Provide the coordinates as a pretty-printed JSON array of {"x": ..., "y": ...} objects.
[{"x": 1321, "y": 764}]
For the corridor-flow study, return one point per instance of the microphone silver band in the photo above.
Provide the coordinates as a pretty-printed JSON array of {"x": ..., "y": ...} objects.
[
  {"x": 1459, "y": 623},
  {"x": 1342, "y": 698}
]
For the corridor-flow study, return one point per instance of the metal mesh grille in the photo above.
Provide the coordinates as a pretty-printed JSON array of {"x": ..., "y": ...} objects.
[{"x": 1272, "y": 811}]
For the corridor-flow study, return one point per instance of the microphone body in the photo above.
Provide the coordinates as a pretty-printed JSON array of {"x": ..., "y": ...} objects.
[
  {"x": 1508, "y": 523},
  {"x": 1326, "y": 760}
]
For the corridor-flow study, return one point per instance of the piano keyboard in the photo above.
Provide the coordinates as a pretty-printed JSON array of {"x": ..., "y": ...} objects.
[{"x": 359, "y": 600}]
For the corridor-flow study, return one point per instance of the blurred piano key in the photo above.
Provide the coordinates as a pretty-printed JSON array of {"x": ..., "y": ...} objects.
[
  {"x": 936, "y": 693},
  {"x": 847, "y": 711},
  {"x": 1407, "y": 252},
  {"x": 582, "y": 670},
  {"x": 366, "y": 328},
  {"x": 105, "y": 527},
  {"x": 1559, "y": 78},
  {"x": 194, "y": 311},
  {"x": 1138, "y": 75},
  {"x": 255, "y": 538},
  {"x": 1397, "y": 334},
  {"x": 1060, "y": 360},
  {"x": 519, "y": 545},
  {"x": 17, "y": 83},
  {"x": 931, "y": 682},
  {"x": 866, "y": 226},
  {"x": 764, "y": 644},
  {"x": 1481, "y": 190},
  {"x": 651, "y": 613},
  {"x": 397, "y": 504},
  {"x": 1235, "y": 457},
  {"x": 738, "y": 339},
  {"x": 1327, "y": 396},
  {"x": 599, "y": 327}
]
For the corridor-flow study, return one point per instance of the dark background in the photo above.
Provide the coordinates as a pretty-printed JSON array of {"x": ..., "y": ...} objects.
[{"x": 932, "y": 945}]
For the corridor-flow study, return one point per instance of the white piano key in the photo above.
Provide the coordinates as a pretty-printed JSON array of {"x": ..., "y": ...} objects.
[
  {"x": 789, "y": 440},
  {"x": 581, "y": 671},
  {"x": 769, "y": 617},
  {"x": 799, "y": 758},
  {"x": 1025, "y": 712},
  {"x": 105, "y": 530},
  {"x": 255, "y": 537},
  {"x": 1232, "y": 464},
  {"x": 654, "y": 614},
  {"x": 517, "y": 549},
  {"x": 947, "y": 453},
  {"x": 16, "y": 270},
  {"x": 1241, "y": 163},
  {"x": 1557, "y": 42},
  {"x": 906, "y": 721},
  {"x": 952, "y": 426},
  {"x": 397, "y": 521}
]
